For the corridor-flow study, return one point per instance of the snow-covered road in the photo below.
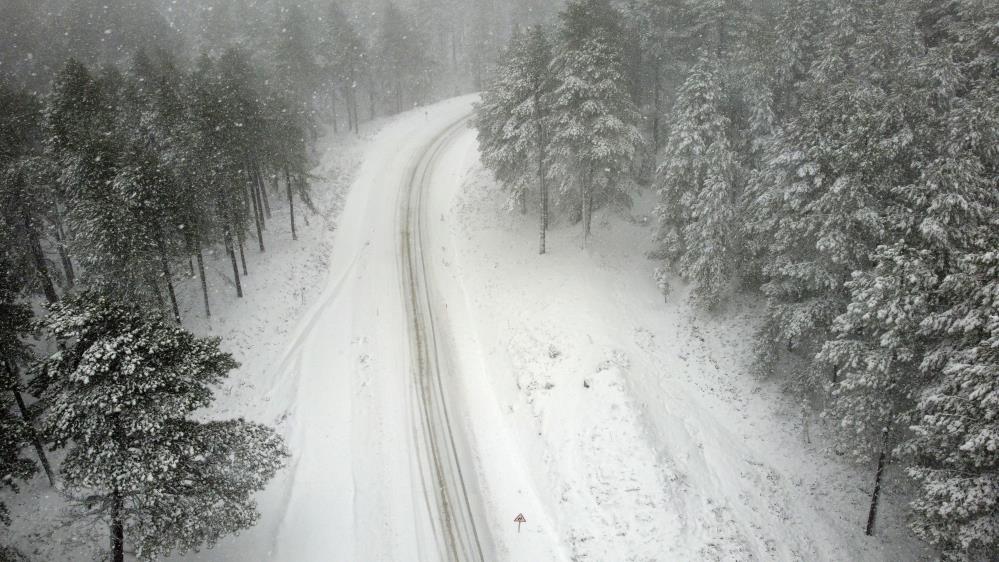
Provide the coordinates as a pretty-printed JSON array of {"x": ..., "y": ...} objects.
[
  {"x": 399, "y": 449},
  {"x": 448, "y": 495},
  {"x": 375, "y": 474}
]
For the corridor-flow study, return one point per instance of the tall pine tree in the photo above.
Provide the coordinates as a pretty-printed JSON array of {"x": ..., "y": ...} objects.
[{"x": 120, "y": 398}]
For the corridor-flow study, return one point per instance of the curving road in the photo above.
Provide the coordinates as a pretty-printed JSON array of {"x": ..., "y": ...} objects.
[
  {"x": 444, "y": 480},
  {"x": 399, "y": 449},
  {"x": 378, "y": 470}
]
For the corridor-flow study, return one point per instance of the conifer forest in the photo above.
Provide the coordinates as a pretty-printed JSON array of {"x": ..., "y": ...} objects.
[{"x": 476, "y": 280}]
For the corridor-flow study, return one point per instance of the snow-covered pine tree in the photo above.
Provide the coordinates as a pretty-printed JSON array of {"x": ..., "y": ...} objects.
[
  {"x": 816, "y": 208},
  {"x": 15, "y": 326},
  {"x": 701, "y": 182},
  {"x": 26, "y": 194},
  {"x": 512, "y": 121},
  {"x": 594, "y": 131},
  {"x": 85, "y": 129},
  {"x": 666, "y": 38},
  {"x": 14, "y": 438},
  {"x": 239, "y": 114},
  {"x": 210, "y": 163},
  {"x": 15, "y": 432},
  {"x": 935, "y": 196},
  {"x": 119, "y": 398},
  {"x": 345, "y": 59},
  {"x": 404, "y": 69},
  {"x": 956, "y": 422},
  {"x": 295, "y": 62}
]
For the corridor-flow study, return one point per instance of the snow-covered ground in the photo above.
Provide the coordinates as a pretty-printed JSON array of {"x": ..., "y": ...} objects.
[
  {"x": 635, "y": 419},
  {"x": 622, "y": 427}
]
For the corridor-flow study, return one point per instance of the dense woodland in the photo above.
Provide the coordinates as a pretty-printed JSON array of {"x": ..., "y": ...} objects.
[
  {"x": 839, "y": 160},
  {"x": 135, "y": 137}
]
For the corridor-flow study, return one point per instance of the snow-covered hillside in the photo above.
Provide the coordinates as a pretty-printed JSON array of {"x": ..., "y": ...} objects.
[{"x": 636, "y": 422}]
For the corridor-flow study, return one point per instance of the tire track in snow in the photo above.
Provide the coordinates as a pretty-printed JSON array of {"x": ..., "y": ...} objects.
[{"x": 444, "y": 485}]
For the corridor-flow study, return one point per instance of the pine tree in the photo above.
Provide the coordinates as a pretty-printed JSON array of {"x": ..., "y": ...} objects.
[
  {"x": 513, "y": 121},
  {"x": 701, "y": 187},
  {"x": 26, "y": 195},
  {"x": 120, "y": 396},
  {"x": 666, "y": 36},
  {"x": 594, "y": 133},
  {"x": 15, "y": 431},
  {"x": 404, "y": 69},
  {"x": 14, "y": 437},
  {"x": 956, "y": 428},
  {"x": 88, "y": 129},
  {"x": 295, "y": 61},
  {"x": 345, "y": 61},
  {"x": 212, "y": 164}
]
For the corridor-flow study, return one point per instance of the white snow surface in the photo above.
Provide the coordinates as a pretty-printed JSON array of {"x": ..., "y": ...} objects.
[
  {"x": 623, "y": 427},
  {"x": 633, "y": 422}
]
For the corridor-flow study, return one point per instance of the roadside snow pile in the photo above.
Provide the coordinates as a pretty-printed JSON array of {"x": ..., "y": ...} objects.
[{"x": 642, "y": 432}]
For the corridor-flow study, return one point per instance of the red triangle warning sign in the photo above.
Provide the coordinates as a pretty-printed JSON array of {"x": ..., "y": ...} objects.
[{"x": 520, "y": 518}]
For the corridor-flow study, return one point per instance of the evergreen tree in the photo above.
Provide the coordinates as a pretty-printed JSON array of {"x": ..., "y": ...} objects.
[
  {"x": 295, "y": 61},
  {"x": 212, "y": 162},
  {"x": 26, "y": 194},
  {"x": 14, "y": 437},
  {"x": 89, "y": 131},
  {"x": 594, "y": 133},
  {"x": 402, "y": 61},
  {"x": 15, "y": 431},
  {"x": 701, "y": 187},
  {"x": 666, "y": 36},
  {"x": 956, "y": 428},
  {"x": 345, "y": 61},
  {"x": 513, "y": 120},
  {"x": 120, "y": 396}
]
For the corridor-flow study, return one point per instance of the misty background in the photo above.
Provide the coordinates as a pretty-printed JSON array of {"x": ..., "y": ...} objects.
[{"x": 441, "y": 46}]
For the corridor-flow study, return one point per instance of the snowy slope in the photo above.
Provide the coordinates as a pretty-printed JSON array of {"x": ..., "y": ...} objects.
[{"x": 634, "y": 420}]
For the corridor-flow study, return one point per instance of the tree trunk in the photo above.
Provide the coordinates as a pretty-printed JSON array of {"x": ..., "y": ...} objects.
[
  {"x": 346, "y": 106},
  {"x": 30, "y": 422},
  {"x": 353, "y": 103},
  {"x": 242, "y": 254},
  {"x": 262, "y": 188},
  {"x": 656, "y": 101},
  {"x": 235, "y": 267},
  {"x": 542, "y": 184},
  {"x": 204, "y": 280},
  {"x": 336, "y": 128},
  {"x": 291, "y": 203},
  {"x": 117, "y": 527},
  {"x": 39, "y": 257},
  {"x": 67, "y": 263},
  {"x": 165, "y": 265},
  {"x": 258, "y": 215},
  {"x": 33, "y": 433},
  {"x": 872, "y": 515}
]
